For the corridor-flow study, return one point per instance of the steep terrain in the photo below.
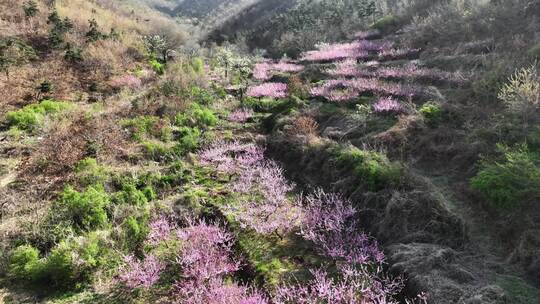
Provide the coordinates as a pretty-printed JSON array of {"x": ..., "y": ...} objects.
[{"x": 393, "y": 156}]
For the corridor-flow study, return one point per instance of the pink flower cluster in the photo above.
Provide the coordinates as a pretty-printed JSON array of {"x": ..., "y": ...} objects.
[
  {"x": 339, "y": 90},
  {"x": 352, "y": 50},
  {"x": 330, "y": 223},
  {"x": 205, "y": 259},
  {"x": 231, "y": 157},
  {"x": 217, "y": 291},
  {"x": 264, "y": 206},
  {"x": 336, "y": 90},
  {"x": 264, "y": 70},
  {"x": 269, "y": 89},
  {"x": 354, "y": 286},
  {"x": 388, "y": 105},
  {"x": 412, "y": 71},
  {"x": 205, "y": 251},
  {"x": 126, "y": 81},
  {"x": 141, "y": 274},
  {"x": 345, "y": 68},
  {"x": 349, "y": 68},
  {"x": 160, "y": 230},
  {"x": 241, "y": 115},
  {"x": 336, "y": 52}
]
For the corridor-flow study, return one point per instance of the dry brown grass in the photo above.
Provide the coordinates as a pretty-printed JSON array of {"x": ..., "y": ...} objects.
[
  {"x": 305, "y": 126},
  {"x": 14, "y": 23},
  {"x": 69, "y": 141},
  {"x": 101, "y": 59}
]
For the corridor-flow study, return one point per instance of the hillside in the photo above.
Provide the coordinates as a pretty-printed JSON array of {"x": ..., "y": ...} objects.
[{"x": 269, "y": 152}]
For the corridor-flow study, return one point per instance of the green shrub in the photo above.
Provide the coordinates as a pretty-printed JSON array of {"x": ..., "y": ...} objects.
[
  {"x": 23, "y": 263},
  {"x": 196, "y": 116},
  {"x": 199, "y": 95},
  {"x": 30, "y": 117},
  {"x": 86, "y": 209},
  {"x": 433, "y": 114},
  {"x": 386, "y": 23},
  {"x": 58, "y": 268},
  {"x": 89, "y": 172},
  {"x": 534, "y": 52},
  {"x": 513, "y": 180},
  {"x": 135, "y": 231},
  {"x": 373, "y": 169},
  {"x": 197, "y": 64},
  {"x": 157, "y": 151},
  {"x": 266, "y": 105},
  {"x": 189, "y": 140},
  {"x": 69, "y": 263},
  {"x": 131, "y": 195},
  {"x": 144, "y": 127},
  {"x": 157, "y": 66}
]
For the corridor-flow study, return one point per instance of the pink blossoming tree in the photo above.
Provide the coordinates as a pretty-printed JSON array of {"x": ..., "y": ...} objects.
[
  {"x": 388, "y": 105},
  {"x": 141, "y": 274},
  {"x": 329, "y": 222},
  {"x": 269, "y": 89}
]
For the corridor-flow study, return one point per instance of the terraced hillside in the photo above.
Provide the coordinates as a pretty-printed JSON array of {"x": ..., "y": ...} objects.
[
  {"x": 384, "y": 159},
  {"x": 357, "y": 136}
]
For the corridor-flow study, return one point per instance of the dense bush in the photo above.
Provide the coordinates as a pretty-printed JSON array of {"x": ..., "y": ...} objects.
[
  {"x": 89, "y": 172},
  {"x": 385, "y": 24},
  {"x": 522, "y": 93},
  {"x": 196, "y": 116},
  {"x": 189, "y": 139},
  {"x": 144, "y": 127},
  {"x": 133, "y": 196},
  {"x": 30, "y": 117},
  {"x": 68, "y": 265},
  {"x": 23, "y": 263},
  {"x": 199, "y": 95},
  {"x": 433, "y": 114},
  {"x": 373, "y": 169},
  {"x": 135, "y": 231},
  {"x": 157, "y": 66},
  {"x": 87, "y": 209},
  {"x": 14, "y": 52},
  {"x": 511, "y": 181},
  {"x": 60, "y": 27}
]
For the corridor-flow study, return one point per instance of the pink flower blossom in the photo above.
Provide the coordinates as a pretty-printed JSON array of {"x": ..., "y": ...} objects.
[
  {"x": 329, "y": 222},
  {"x": 217, "y": 291},
  {"x": 331, "y": 52},
  {"x": 160, "y": 230},
  {"x": 261, "y": 71},
  {"x": 345, "y": 68},
  {"x": 267, "y": 208},
  {"x": 344, "y": 90},
  {"x": 412, "y": 71},
  {"x": 353, "y": 286},
  {"x": 206, "y": 258},
  {"x": 264, "y": 70},
  {"x": 352, "y": 50},
  {"x": 231, "y": 157},
  {"x": 141, "y": 274},
  {"x": 337, "y": 90},
  {"x": 269, "y": 89},
  {"x": 241, "y": 115},
  {"x": 205, "y": 251},
  {"x": 388, "y": 105}
]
